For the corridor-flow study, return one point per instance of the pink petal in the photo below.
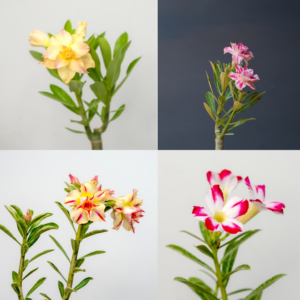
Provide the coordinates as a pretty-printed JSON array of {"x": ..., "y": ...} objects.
[
  {"x": 237, "y": 59},
  {"x": 212, "y": 178},
  {"x": 260, "y": 192},
  {"x": 233, "y": 76},
  {"x": 211, "y": 224},
  {"x": 217, "y": 196},
  {"x": 232, "y": 226},
  {"x": 247, "y": 182},
  {"x": 276, "y": 207},
  {"x": 228, "y": 50},
  {"x": 199, "y": 212},
  {"x": 250, "y": 84},
  {"x": 238, "y": 209},
  {"x": 224, "y": 173},
  {"x": 239, "y": 178}
]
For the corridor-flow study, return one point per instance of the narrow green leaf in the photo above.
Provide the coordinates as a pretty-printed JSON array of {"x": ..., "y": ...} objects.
[
  {"x": 79, "y": 262},
  {"x": 240, "y": 122},
  {"x": 11, "y": 211},
  {"x": 40, "y": 254},
  {"x": 68, "y": 27},
  {"x": 18, "y": 211},
  {"x": 45, "y": 296},
  {"x": 93, "y": 233},
  {"x": 96, "y": 59},
  {"x": 205, "y": 251},
  {"x": 236, "y": 238},
  {"x": 33, "y": 242},
  {"x": 55, "y": 268},
  {"x": 201, "y": 283},
  {"x": 208, "y": 274},
  {"x": 264, "y": 286},
  {"x": 239, "y": 268},
  {"x": 22, "y": 226},
  {"x": 239, "y": 291},
  {"x": 205, "y": 233},
  {"x": 76, "y": 270},
  {"x": 118, "y": 113},
  {"x": 83, "y": 283},
  {"x": 190, "y": 256},
  {"x": 29, "y": 274},
  {"x": 60, "y": 247},
  {"x": 14, "y": 276},
  {"x": 38, "y": 219},
  {"x": 211, "y": 102},
  {"x": 54, "y": 73},
  {"x": 38, "y": 283},
  {"x": 63, "y": 95},
  {"x": 193, "y": 236},
  {"x": 15, "y": 288},
  {"x": 121, "y": 42},
  {"x": 4, "y": 229},
  {"x": 43, "y": 229},
  {"x": 105, "y": 50},
  {"x": 75, "y": 131},
  {"x": 99, "y": 90},
  {"x": 67, "y": 214},
  {"x": 61, "y": 289},
  {"x": 37, "y": 55},
  {"x": 76, "y": 86},
  {"x": 92, "y": 254},
  {"x": 228, "y": 263}
]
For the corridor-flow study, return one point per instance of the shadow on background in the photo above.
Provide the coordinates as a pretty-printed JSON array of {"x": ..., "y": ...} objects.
[{"x": 192, "y": 32}]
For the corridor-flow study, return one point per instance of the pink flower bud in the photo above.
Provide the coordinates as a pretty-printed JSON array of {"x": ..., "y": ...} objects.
[
  {"x": 74, "y": 179},
  {"x": 95, "y": 180},
  {"x": 28, "y": 216}
]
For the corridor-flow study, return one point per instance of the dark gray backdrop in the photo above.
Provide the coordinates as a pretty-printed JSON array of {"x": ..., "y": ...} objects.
[{"x": 192, "y": 32}]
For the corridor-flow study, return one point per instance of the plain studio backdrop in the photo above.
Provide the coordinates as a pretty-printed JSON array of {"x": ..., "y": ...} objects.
[
  {"x": 29, "y": 120},
  {"x": 35, "y": 180},
  {"x": 272, "y": 251}
]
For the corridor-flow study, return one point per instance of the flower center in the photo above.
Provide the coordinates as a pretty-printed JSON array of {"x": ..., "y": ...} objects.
[
  {"x": 219, "y": 216},
  {"x": 67, "y": 53},
  {"x": 87, "y": 205}
]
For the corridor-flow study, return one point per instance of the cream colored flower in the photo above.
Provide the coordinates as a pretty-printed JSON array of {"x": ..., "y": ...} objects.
[
  {"x": 39, "y": 39},
  {"x": 81, "y": 30}
]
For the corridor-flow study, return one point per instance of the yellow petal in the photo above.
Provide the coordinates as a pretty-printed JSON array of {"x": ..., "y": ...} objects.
[
  {"x": 77, "y": 66},
  {"x": 60, "y": 61},
  {"x": 97, "y": 213},
  {"x": 48, "y": 63},
  {"x": 88, "y": 61},
  {"x": 88, "y": 189},
  {"x": 64, "y": 38},
  {"x": 73, "y": 198},
  {"x": 80, "y": 49},
  {"x": 52, "y": 52},
  {"x": 79, "y": 216},
  {"x": 117, "y": 220},
  {"x": 39, "y": 39},
  {"x": 66, "y": 74},
  {"x": 127, "y": 225}
]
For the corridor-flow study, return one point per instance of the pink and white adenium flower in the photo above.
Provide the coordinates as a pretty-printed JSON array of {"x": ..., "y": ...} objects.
[
  {"x": 88, "y": 202},
  {"x": 239, "y": 53},
  {"x": 127, "y": 211},
  {"x": 220, "y": 217},
  {"x": 257, "y": 202},
  {"x": 243, "y": 77},
  {"x": 225, "y": 179}
]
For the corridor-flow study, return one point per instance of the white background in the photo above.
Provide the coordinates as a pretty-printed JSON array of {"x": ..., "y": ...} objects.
[
  {"x": 35, "y": 180},
  {"x": 29, "y": 120},
  {"x": 274, "y": 250}
]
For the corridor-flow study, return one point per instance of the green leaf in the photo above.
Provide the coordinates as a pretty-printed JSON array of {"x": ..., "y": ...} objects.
[
  {"x": 205, "y": 233},
  {"x": 96, "y": 59},
  {"x": 38, "y": 219},
  {"x": 102, "y": 116},
  {"x": 4, "y": 229},
  {"x": 229, "y": 261},
  {"x": 120, "y": 43},
  {"x": 130, "y": 67},
  {"x": 33, "y": 242},
  {"x": 79, "y": 262},
  {"x": 37, "y": 55},
  {"x": 239, "y": 268},
  {"x": 236, "y": 238},
  {"x": 92, "y": 254},
  {"x": 264, "y": 286},
  {"x": 76, "y": 270},
  {"x": 54, "y": 73},
  {"x": 240, "y": 122},
  {"x": 18, "y": 211},
  {"x": 83, "y": 283},
  {"x": 205, "y": 251},
  {"x": 93, "y": 233},
  {"x": 252, "y": 101},
  {"x": 42, "y": 229},
  {"x": 76, "y": 86},
  {"x": 196, "y": 286},
  {"x": 38, "y": 283},
  {"x": 75, "y": 245},
  {"x": 61, "y": 289},
  {"x": 105, "y": 50},
  {"x": 60, "y": 247},
  {"x": 68, "y": 27},
  {"x": 75, "y": 131},
  {"x": 99, "y": 90},
  {"x": 193, "y": 236},
  {"x": 11, "y": 211},
  {"x": 45, "y": 296},
  {"x": 29, "y": 273},
  {"x": 208, "y": 274},
  {"x": 209, "y": 111},
  {"x": 14, "y": 276},
  {"x": 55, "y": 268},
  {"x": 67, "y": 214},
  {"x": 15, "y": 288},
  {"x": 190, "y": 256},
  {"x": 201, "y": 283},
  {"x": 211, "y": 102},
  {"x": 92, "y": 111},
  {"x": 63, "y": 95},
  {"x": 26, "y": 262},
  {"x": 22, "y": 226},
  {"x": 239, "y": 291},
  {"x": 118, "y": 113},
  {"x": 40, "y": 254},
  {"x": 114, "y": 68}
]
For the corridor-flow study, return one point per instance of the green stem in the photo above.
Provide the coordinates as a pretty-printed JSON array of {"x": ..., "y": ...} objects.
[
  {"x": 20, "y": 273},
  {"x": 73, "y": 263},
  {"x": 227, "y": 125},
  {"x": 219, "y": 274}
]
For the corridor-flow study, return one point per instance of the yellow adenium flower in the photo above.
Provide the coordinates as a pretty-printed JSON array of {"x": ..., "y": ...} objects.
[
  {"x": 39, "y": 39},
  {"x": 68, "y": 54},
  {"x": 88, "y": 202},
  {"x": 81, "y": 30},
  {"x": 127, "y": 211}
]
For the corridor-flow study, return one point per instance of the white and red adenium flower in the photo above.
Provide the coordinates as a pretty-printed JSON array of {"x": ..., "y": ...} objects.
[
  {"x": 243, "y": 77},
  {"x": 239, "y": 53},
  {"x": 88, "y": 201},
  {"x": 225, "y": 179},
  {"x": 219, "y": 216},
  {"x": 257, "y": 202},
  {"x": 127, "y": 211}
]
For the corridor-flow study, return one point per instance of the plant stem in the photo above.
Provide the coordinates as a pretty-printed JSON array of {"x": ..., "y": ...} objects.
[
  {"x": 219, "y": 274},
  {"x": 219, "y": 143},
  {"x": 73, "y": 263},
  {"x": 20, "y": 273},
  {"x": 227, "y": 125}
]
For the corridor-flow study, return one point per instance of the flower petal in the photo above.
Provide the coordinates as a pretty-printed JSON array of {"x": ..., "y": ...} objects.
[
  {"x": 260, "y": 192},
  {"x": 87, "y": 60},
  {"x": 228, "y": 50},
  {"x": 79, "y": 216},
  {"x": 212, "y": 225},
  {"x": 77, "y": 66},
  {"x": 232, "y": 226},
  {"x": 213, "y": 178},
  {"x": 80, "y": 49},
  {"x": 97, "y": 213},
  {"x": 64, "y": 38},
  {"x": 251, "y": 191},
  {"x": 52, "y": 52},
  {"x": 117, "y": 217},
  {"x": 238, "y": 209},
  {"x": 217, "y": 197},
  {"x": 73, "y": 198},
  {"x": 276, "y": 207},
  {"x": 60, "y": 62},
  {"x": 200, "y": 213},
  {"x": 48, "y": 63},
  {"x": 66, "y": 74}
]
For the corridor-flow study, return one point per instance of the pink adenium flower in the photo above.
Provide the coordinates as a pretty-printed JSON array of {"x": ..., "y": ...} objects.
[
  {"x": 127, "y": 211},
  {"x": 243, "y": 77},
  {"x": 225, "y": 179},
  {"x": 239, "y": 53},
  {"x": 257, "y": 202},
  {"x": 220, "y": 217}
]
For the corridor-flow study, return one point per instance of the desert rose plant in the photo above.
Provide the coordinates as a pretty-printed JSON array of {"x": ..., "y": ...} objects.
[
  {"x": 89, "y": 204},
  {"x": 223, "y": 219},
  {"x": 30, "y": 230},
  {"x": 230, "y": 80},
  {"x": 68, "y": 57}
]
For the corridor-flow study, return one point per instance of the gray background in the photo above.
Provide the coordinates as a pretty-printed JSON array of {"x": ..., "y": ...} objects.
[
  {"x": 274, "y": 250},
  {"x": 192, "y": 32},
  {"x": 35, "y": 179},
  {"x": 29, "y": 120}
]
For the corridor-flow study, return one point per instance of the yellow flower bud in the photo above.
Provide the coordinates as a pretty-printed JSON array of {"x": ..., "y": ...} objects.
[
  {"x": 39, "y": 39},
  {"x": 81, "y": 30}
]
